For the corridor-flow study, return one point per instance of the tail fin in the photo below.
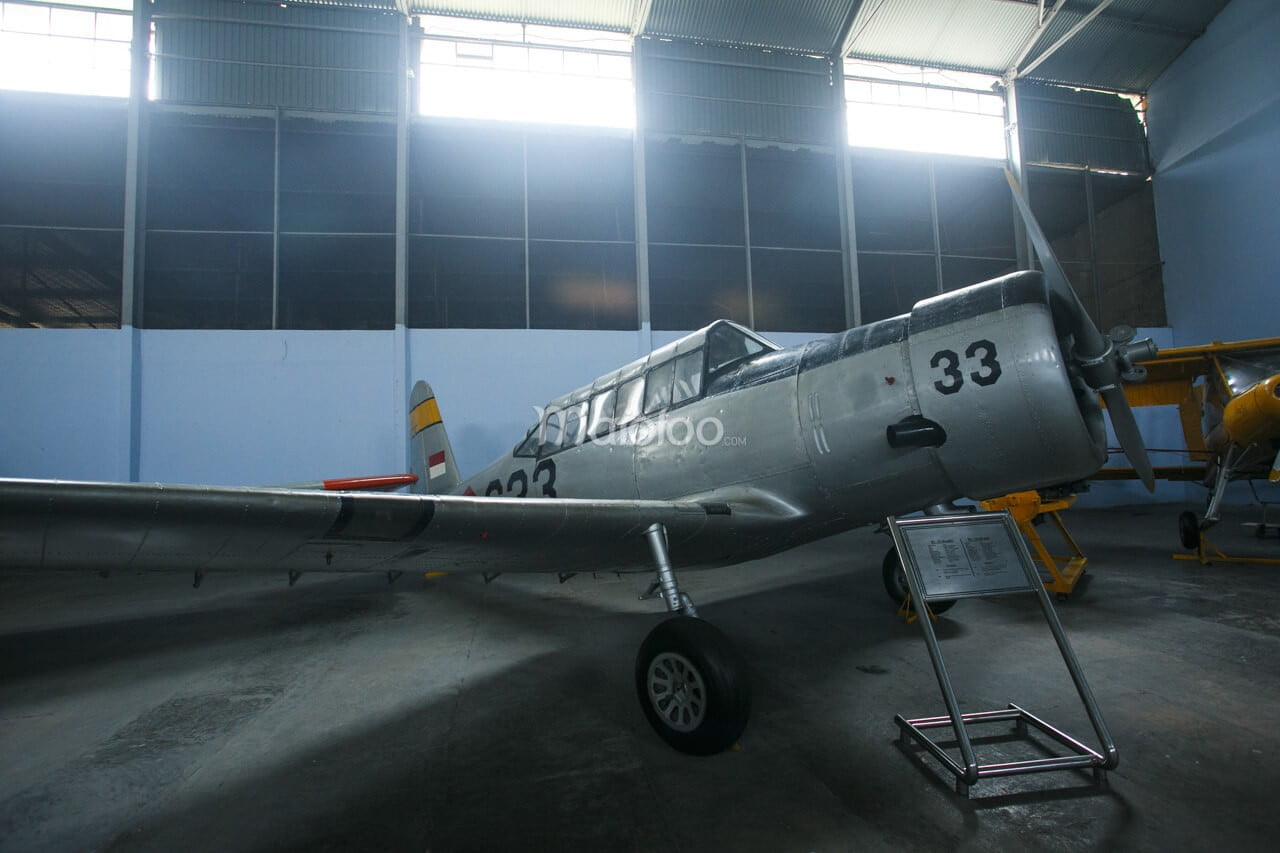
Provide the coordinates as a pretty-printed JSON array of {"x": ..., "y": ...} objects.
[{"x": 430, "y": 455}]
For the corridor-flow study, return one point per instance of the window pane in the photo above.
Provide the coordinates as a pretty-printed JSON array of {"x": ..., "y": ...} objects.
[
  {"x": 62, "y": 164},
  {"x": 207, "y": 281},
  {"x": 688, "y": 377},
  {"x": 692, "y": 286},
  {"x": 466, "y": 182},
  {"x": 962, "y": 272},
  {"x": 792, "y": 199},
  {"x": 457, "y": 282},
  {"x": 727, "y": 345},
  {"x": 582, "y": 286},
  {"x": 975, "y": 211},
  {"x": 602, "y": 413},
  {"x": 333, "y": 282},
  {"x": 1128, "y": 252},
  {"x": 580, "y": 188},
  {"x": 694, "y": 193},
  {"x": 892, "y": 284},
  {"x": 891, "y": 203},
  {"x": 337, "y": 177},
  {"x": 211, "y": 174},
  {"x": 574, "y": 423},
  {"x": 657, "y": 393},
  {"x": 797, "y": 291},
  {"x": 630, "y": 396},
  {"x": 60, "y": 278},
  {"x": 552, "y": 431},
  {"x": 530, "y": 84},
  {"x": 1058, "y": 201}
]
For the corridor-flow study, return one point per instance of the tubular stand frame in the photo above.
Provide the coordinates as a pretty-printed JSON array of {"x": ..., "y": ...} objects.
[{"x": 970, "y": 772}]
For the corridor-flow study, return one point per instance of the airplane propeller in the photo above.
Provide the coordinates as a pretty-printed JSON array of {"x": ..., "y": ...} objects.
[{"x": 1104, "y": 360}]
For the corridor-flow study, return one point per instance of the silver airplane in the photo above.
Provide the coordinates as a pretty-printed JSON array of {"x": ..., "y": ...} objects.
[{"x": 716, "y": 449}]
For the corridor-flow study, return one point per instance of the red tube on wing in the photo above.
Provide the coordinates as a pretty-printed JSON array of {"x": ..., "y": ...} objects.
[{"x": 356, "y": 484}]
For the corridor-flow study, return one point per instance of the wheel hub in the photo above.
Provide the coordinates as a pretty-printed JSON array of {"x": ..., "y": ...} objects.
[{"x": 677, "y": 692}]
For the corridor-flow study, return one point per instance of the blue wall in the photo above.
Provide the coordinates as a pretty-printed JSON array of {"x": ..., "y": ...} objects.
[
  {"x": 64, "y": 403},
  {"x": 250, "y": 408},
  {"x": 1214, "y": 127}
]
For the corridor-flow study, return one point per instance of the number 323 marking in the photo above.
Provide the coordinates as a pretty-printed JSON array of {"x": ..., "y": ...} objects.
[{"x": 983, "y": 351}]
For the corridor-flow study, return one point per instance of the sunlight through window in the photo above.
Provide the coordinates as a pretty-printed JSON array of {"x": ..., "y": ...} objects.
[
  {"x": 522, "y": 72},
  {"x": 904, "y": 108},
  {"x": 66, "y": 50}
]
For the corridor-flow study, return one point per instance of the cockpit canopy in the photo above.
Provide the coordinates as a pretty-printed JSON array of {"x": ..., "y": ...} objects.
[{"x": 671, "y": 376}]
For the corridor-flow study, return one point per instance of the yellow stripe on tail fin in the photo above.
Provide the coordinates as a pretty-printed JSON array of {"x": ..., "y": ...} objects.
[{"x": 431, "y": 456}]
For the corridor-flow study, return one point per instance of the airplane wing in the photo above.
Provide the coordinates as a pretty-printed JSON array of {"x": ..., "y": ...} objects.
[{"x": 51, "y": 524}]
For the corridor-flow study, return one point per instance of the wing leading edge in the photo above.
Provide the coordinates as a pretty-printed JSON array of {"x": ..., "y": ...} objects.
[{"x": 52, "y": 524}]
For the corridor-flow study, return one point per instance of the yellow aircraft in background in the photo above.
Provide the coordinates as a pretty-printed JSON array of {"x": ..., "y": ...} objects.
[{"x": 1228, "y": 399}]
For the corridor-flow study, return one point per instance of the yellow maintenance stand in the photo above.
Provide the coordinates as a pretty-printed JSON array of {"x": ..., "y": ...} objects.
[{"x": 1065, "y": 571}]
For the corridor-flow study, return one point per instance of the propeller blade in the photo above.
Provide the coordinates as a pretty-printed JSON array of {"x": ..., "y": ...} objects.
[
  {"x": 1099, "y": 360},
  {"x": 1127, "y": 434},
  {"x": 1088, "y": 339}
]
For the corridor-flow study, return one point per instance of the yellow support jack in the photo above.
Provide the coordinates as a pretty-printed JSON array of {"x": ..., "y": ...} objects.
[
  {"x": 1065, "y": 571},
  {"x": 1207, "y": 554}
]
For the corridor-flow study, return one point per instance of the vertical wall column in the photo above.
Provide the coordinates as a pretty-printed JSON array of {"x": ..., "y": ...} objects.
[
  {"x": 844, "y": 178},
  {"x": 400, "y": 347},
  {"x": 640, "y": 196},
  {"x": 134, "y": 235}
]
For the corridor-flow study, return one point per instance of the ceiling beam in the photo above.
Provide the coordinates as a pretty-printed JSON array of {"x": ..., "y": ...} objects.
[
  {"x": 1066, "y": 37},
  {"x": 844, "y": 39},
  {"x": 1045, "y": 21},
  {"x": 641, "y": 19}
]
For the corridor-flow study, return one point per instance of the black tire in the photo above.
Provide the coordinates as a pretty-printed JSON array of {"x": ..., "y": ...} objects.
[
  {"x": 1189, "y": 531},
  {"x": 895, "y": 583},
  {"x": 693, "y": 686}
]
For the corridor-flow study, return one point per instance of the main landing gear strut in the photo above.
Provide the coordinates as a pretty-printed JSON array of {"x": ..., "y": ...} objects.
[{"x": 691, "y": 681}]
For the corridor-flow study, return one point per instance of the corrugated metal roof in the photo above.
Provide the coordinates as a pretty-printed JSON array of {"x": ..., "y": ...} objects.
[
  {"x": 617, "y": 15},
  {"x": 971, "y": 35},
  {"x": 806, "y": 26},
  {"x": 1125, "y": 48}
]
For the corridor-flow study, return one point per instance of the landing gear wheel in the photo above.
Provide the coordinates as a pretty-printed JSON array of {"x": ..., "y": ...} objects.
[
  {"x": 693, "y": 686},
  {"x": 1189, "y": 530},
  {"x": 895, "y": 583}
]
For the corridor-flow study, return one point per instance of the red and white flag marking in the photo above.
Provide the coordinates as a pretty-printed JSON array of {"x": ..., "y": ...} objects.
[{"x": 435, "y": 465}]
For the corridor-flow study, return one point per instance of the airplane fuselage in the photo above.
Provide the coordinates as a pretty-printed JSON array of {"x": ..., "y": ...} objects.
[{"x": 795, "y": 443}]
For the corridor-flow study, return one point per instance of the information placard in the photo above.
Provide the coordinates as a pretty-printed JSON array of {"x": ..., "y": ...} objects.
[{"x": 959, "y": 556}]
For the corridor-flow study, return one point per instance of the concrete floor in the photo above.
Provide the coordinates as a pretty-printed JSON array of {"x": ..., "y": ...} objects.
[{"x": 139, "y": 714}]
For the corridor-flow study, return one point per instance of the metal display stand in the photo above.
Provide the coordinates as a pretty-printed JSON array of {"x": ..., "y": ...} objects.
[{"x": 983, "y": 554}]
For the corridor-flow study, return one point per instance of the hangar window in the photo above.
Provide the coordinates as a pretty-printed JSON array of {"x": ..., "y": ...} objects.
[
  {"x": 62, "y": 171},
  {"x": 337, "y": 224},
  {"x": 908, "y": 108},
  {"x": 926, "y": 224},
  {"x": 1102, "y": 228},
  {"x": 525, "y": 72},
  {"x": 209, "y": 216},
  {"x": 60, "y": 48}
]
